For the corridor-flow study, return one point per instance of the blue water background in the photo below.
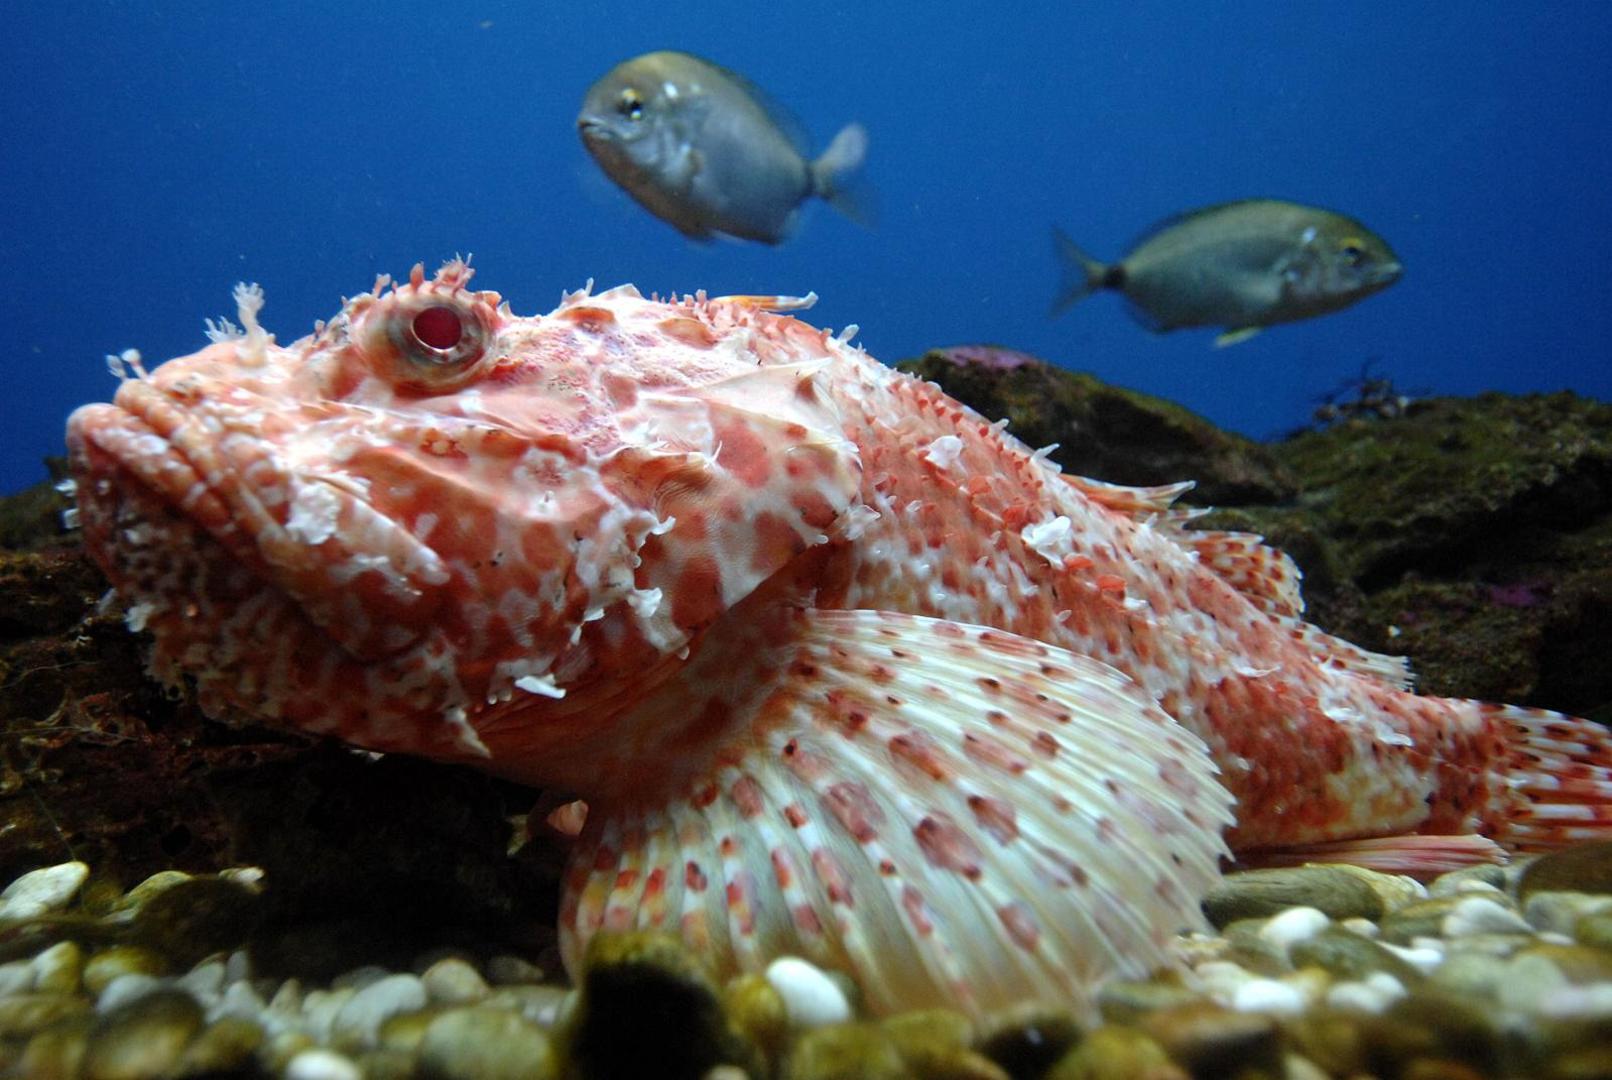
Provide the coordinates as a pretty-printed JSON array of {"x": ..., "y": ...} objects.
[{"x": 154, "y": 154}]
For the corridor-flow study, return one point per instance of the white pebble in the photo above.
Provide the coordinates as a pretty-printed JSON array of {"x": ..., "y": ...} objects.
[
  {"x": 1551, "y": 937},
  {"x": 811, "y": 998},
  {"x": 1269, "y": 996},
  {"x": 1358, "y": 996},
  {"x": 1220, "y": 979},
  {"x": 130, "y": 986},
  {"x": 1387, "y": 984},
  {"x": 1292, "y": 926},
  {"x": 238, "y": 966},
  {"x": 62, "y": 963},
  {"x": 41, "y": 891},
  {"x": 372, "y": 1006},
  {"x": 1529, "y": 981},
  {"x": 1364, "y": 927},
  {"x": 16, "y": 977},
  {"x": 319, "y": 1009},
  {"x": 453, "y": 981},
  {"x": 1423, "y": 959},
  {"x": 1579, "y": 1003},
  {"x": 322, "y": 1065},
  {"x": 1480, "y": 915},
  {"x": 239, "y": 1000},
  {"x": 204, "y": 982}
]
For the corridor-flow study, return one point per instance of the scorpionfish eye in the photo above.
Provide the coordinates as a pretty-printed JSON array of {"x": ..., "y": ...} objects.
[{"x": 432, "y": 341}]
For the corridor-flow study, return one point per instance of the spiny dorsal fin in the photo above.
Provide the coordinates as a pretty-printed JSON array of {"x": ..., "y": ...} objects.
[
  {"x": 952, "y": 814},
  {"x": 1334, "y": 652},
  {"x": 1139, "y": 502},
  {"x": 1265, "y": 575}
]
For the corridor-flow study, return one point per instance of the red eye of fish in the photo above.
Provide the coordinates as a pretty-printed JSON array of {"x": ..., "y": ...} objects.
[{"x": 438, "y": 328}]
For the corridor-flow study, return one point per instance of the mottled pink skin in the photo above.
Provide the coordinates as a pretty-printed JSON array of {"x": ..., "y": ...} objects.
[{"x": 656, "y": 509}]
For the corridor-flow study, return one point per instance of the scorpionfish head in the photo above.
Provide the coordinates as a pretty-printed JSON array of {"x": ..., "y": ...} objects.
[{"x": 431, "y": 518}]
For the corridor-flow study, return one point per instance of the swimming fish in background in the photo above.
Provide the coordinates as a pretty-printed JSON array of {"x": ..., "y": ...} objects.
[
  {"x": 700, "y": 148},
  {"x": 1241, "y": 265},
  {"x": 841, "y": 669}
]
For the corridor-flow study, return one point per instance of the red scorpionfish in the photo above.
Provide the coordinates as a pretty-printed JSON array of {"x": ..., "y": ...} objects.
[{"x": 840, "y": 668}]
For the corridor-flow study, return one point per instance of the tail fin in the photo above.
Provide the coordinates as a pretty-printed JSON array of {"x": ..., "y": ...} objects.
[
  {"x": 1082, "y": 274},
  {"x": 834, "y": 175},
  {"x": 1560, "y": 778}
]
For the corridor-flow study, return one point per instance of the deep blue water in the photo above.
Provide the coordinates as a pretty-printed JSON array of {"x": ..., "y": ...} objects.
[{"x": 154, "y": 154}]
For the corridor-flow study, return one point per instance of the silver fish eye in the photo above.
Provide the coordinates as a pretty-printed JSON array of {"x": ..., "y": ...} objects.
[{"x": 630, "y": 104}]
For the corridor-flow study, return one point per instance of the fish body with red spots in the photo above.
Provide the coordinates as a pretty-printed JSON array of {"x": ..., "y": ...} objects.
[{"x": 840, "y": 668}]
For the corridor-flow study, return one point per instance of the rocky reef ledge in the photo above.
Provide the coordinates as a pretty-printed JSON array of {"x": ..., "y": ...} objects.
[{"x": 187, "y": 898}]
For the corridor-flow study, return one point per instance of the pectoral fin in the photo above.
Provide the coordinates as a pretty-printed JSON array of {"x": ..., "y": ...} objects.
[
  {"x": 949, "y": 813},
  {"x": 1236, "y": 336}
]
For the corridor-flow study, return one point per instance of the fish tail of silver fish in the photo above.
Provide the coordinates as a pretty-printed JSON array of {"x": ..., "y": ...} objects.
[
  {"x": 1082, "y": 274},
  {"x": 835, "y": 176}
]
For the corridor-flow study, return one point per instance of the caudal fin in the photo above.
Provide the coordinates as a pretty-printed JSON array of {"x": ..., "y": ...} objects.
[
  {"x": 836, "y": 179},
  {"x": 1082, "y": 274},
  {"x": 1559, "y": 775}
]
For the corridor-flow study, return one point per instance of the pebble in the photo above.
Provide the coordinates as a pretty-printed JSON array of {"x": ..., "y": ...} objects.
[
  {"x": 110, "y": 963},
  {"x": 757, "y": 1011},
  {"x": 504, "y": 969},
  {"x": 1584, "y": 868},
  {"x": 1292, "y": 926},
  {"x": 811, "y": 999},
  {"x": 1485, "y": 877},
  {"x": 60, "y": 968},
  {"x": 845, "y": 1050},
  {"x": 360, "y": 1016},
  {"x": 1111, "y": 1052},
  {"x": 1344, "y": 955},
  {"x": 473, "y": 1043},
  {"x": 23, "y": 1014},
  {"x": 1561, "y": 911},
  {"x": 146, "y": 1037},
  {"x": 42, "y": 891},
  {"x": 1422, "y": 918},
  {"x": 17, "y": 977},
  {"x": 128, "y": 988},
  {"x": 1338, "y": 893},
  {"x": 223, "y": 1047},
  {"x": 1269, "y": 996},
  {"x": 453, "y": 981},
  {"x": 321, "y": 1064},
  {"x": 1481, "y": 915},
  {"x": 1209, "y": 1040},
  {"x": 1528, "y": 981}
]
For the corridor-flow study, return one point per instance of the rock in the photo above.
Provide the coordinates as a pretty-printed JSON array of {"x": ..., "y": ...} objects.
[
  {"x": 1209, "y": 1040},
  {"x": 23, "y": 1014},
  {"x": 1483, "y": 915},
  {"x": 360, "y": 1016},
  {"x": 224, "y": 1047},
  {"x": 321, "y": 1064},
  {"x": 452, "y": 981},
  {"x": 1586, "y": 868},
  {"x": 1295, "y": 925},
  {"x": 1344, "y": 955},
  {"x": 503, "y": 970},
  {"x": 17, "y": 977},
  {"x": 1027, "y": 1039},
  {"x": 935, "y": 1042},
  {"x": 1124, "y": 1001},
  {"x": 474, "y": 1043},
  {"x": 1578, "y": 964},
  {"x": 1594, "y": 931},
  {"x": 811, "y": 999},
  {"x": 56, "y": 1051},
  {"x": 845, "y": 1050},
  {"x": 647, "y": 1006},
  {"x": 1474, "y": 976},
  {"x": 1396, "y": 890},
  {"x": 1456, "y": 882},
  {"x": 1559, "y": 912},
  {"x": 110, "y": 963},
  {"x": 1104, "y": 431},
  {"x": 128, "y": 988},
  {"x": 757, "y": 1011},
  {"x": 60, "y": 968},
  {"x": 146, "y": 1037},
  {"x": 1247, "y": 894},
  {"x": 39, "y": 892},
  {"x": 1117, "y": 1053},
  {"x": 1273, "y": 996},
  {"x": 191, "y": 919},
  {"x": 1425, "y": 918}
]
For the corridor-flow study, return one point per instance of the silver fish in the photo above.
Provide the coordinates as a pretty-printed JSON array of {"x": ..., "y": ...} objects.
[
  {"x": 1241, "y": 265},
  {"x": 700, "y": 148}
]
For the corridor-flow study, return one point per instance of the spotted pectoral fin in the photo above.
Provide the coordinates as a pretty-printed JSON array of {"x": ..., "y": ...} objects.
[{"x": 949, "y": 813}]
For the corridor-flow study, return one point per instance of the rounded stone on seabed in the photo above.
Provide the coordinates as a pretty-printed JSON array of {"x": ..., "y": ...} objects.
[
  {"x": 476, "y": 1043},
  {"x": 1594, "y": 931},
  {"x": 16, "y": 977},
  {"x": 1111, "y": 1051},
  {"x": 146, "y": 1037},
  {"x": 1332, "y": 890},
  {"x": 1475, "y": 976},
  {"x": 931, "y": 1040},
  {"x": 810, "y": 997},
  {"x": 157, "y": 883},
  {"x": 1483, "y": 915},
  {"x": 1424, "y": 918},
  {"x": 195, "y": 918},
  {"x": 1294, "y": 925},
  {"x": 757, "y": 1011},
  {"x": 1579, "y": 964},
  {"x": 319, "y": 1063},
  {"x": 1026, "y": 1039},
  {"x": 1360, "y": 996},
  {"x": 453, "y": 981},
  {"x": 1345, "y": 955},
  {"x": 128, "y": 988},
  {"x": 841, "y": 1050},
  {"x": 60, "y": 968},
  {"x": 1272, "y": 996},
  {"x": 21, "y": 1015},
  {"x": 1486, "y": 877},
  {"x": 1248, "y": 946},
  {"x": 505, "y": 970},
  {"x": 1123, "y": 1001},
  {"x": 118, "y": 960},
  {"x": 1395, "y": 890},
  {"x": 361, "y": 1016},
  {"x": 544, "y": 1006},
  {"x": 1560, "y": 911},
  {"x": 1582, "y": 868},
  {"x": 40, "y": 892},
  {"x": 1210, "y": 1040},
  {"x": 56, "y": 1051},
  {"x": 223, "y": 1047}
]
